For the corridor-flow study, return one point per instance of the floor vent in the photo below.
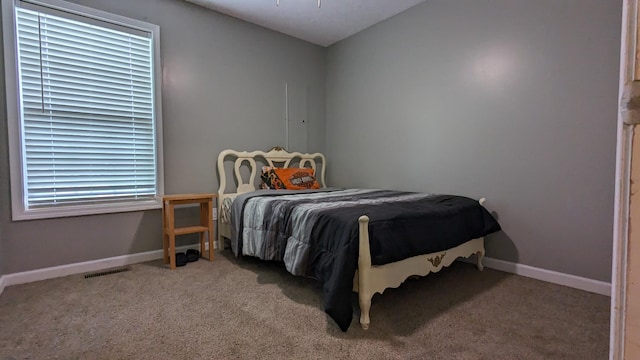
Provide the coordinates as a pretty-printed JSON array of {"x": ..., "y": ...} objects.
[{"x": 107, "y": 272}]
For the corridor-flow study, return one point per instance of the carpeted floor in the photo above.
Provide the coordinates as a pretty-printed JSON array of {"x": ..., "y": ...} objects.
[{"x": 247, "y": 309}]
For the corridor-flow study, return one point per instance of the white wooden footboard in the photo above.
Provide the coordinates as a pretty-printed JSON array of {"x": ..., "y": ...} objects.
[{"x": 370, "y": 279}]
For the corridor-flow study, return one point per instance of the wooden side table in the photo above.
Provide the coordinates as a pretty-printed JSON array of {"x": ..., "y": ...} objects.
[{"x": 169, "y": 230}]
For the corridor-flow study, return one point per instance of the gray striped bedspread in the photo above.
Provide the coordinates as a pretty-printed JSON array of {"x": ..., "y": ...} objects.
[{"x": 315, "y": 232}]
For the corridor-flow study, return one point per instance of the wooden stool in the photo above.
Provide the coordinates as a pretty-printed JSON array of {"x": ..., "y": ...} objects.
[{"x": 169, "y": 230}]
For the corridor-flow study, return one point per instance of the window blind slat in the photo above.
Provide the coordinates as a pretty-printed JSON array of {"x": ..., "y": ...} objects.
[
  {"x": 33, "y": 83},
  {"x": 74, "y": 121},
  {"x": 34, "y": 79},
  {"x": 118, "y": 70}
]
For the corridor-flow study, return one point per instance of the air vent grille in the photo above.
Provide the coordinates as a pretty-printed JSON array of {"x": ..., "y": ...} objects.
[{"x": 107, "y": 272}]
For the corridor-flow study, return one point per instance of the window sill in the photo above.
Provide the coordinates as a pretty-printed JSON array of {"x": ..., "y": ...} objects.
[{"x": 82, "y": 210}]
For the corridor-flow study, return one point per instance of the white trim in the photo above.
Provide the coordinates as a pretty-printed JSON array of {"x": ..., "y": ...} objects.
[
  {"x": 622, "y": 186},
  {"x": 78, "y": 210},
  {"x": 577, "y": 282},
  {"x": 84, "y": 267},
  {"x": 286, "y": 116}
]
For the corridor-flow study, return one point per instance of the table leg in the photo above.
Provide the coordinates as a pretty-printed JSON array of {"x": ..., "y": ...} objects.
[
  {"x": 203, "y": 213},
  {"x": 172, "y": 236},
  {"x": 165, "y": 237}
]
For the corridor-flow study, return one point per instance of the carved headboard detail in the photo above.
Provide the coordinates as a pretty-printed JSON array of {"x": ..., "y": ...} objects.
[{"x": 277, "y": 156}]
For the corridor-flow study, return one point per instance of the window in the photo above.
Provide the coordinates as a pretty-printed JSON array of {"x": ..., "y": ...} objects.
[{"x": 83, "y": 110}]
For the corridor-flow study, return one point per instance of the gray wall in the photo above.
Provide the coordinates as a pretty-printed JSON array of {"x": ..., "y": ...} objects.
[
  {"x": 223, "y": 87},
  {"x": 514, "y": 100}
]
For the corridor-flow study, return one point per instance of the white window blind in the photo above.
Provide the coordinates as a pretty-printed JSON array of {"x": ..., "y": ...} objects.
[{"x": 87, "y": 111}]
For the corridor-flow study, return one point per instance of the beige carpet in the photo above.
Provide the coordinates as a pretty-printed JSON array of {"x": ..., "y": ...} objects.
[{"x": 247, "y": 309}]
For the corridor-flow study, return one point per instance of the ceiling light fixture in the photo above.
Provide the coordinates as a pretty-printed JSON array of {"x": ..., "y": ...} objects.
[{"x": 319, "y": 3}]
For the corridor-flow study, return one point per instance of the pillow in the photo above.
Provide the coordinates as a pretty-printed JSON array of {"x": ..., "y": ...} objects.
[
  {"x": 263, "y": 176},
  {"x": 290, "y": 178}
]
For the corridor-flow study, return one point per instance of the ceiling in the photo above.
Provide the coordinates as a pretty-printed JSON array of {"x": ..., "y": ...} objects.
[{"x": 332, "y": 22}]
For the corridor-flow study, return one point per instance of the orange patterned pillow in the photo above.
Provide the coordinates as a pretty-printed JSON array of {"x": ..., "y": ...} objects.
[{"x": 290, "y": 178}]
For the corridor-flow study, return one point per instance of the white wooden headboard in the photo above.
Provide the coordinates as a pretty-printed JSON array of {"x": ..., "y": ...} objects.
[{"x": 274, "y": 157}]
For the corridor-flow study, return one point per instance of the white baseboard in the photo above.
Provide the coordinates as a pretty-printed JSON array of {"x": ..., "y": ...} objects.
[
  {"x": 595, "y": 286},
  {"x": 83, "y": 267},
  {"x": 577, "y": 282}
]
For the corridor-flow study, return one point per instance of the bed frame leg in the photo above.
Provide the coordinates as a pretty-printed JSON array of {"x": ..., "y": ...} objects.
[
  {"x": 364, "y": 272},
  {"x": 365, "y": 306},
  {"x": 480, "y": 253},
  {"x": 220, "y": 243},
  {"x": 480, "y": 256}
]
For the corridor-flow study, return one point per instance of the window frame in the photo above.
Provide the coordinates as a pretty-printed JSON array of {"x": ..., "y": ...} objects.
[{"x": 19, "y": 208}]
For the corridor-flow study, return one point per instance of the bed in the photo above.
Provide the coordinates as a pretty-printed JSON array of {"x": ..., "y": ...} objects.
[{"x": 361, "y": 240}]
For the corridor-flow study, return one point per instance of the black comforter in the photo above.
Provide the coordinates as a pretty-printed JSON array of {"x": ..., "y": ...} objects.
[{"x": 317, "y": 234}]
